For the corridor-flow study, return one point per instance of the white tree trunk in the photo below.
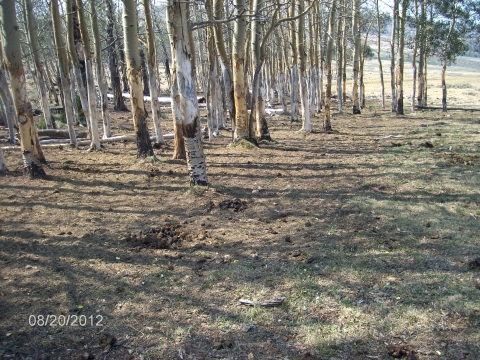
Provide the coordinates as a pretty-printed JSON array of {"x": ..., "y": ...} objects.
[
  {"x": 31, "y": 151},
  {"x": 7, "y": 102},
  {"x": 152, "y": 79},
  {"x": 92, "y": 109},
  {"x": 187, "y": 95},
  {"x": 282, "y": 90},
  {"x": 102, "y": 86},
  {"x": 64, "y": 70},
  {"x": 32, "y": 34},
  {"x": 92, "y": 118},
  {"x": 294, "y": 92},
  {"x": 306, "y": 123},
  {"x": 356, "y": 55},
  {"x": 222, "y": 121}
]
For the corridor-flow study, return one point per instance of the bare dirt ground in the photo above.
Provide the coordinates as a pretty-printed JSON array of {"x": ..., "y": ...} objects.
[{"x": 372, "y": 244}]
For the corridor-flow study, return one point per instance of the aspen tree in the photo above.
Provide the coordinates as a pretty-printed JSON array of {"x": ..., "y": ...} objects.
[
  {"x": 451, "y": 47},
  {"x": 31, "y": 151},
  {"x": 379, "y": 56},
  {"x": 225, "y": 62},
  {"x": 258, "y": 105},
  {"x": 32, "y": 35},
  {"x": 422, "y": 55},
  {"x": 414, "y": 57},
  {"x": 362, "y": 62},
  {"x": 75, "y": 49},
  {"x": 7, "y": 99},
  {"x": 134, "y": 73},
  {"x": 118, "y": 102},
  {"x": 102, "y": 86},
  {"x": 401, "y": 59},
  {"x": 312, "y": 84},
  {"x": 328, "y": 66},
  {"x": 340, "y": 41},
  {"x": 356, "y": 55},
  {"x": 179, "y": 143},
  {"x": 320, "y": 56},
  {"x": 294, "y": 78},
  {"x": 316, "y": 67},
  {"x": 92, "y": 113},
  {"x": 242, "y": 128},
  {"x": 281, "y": 82},
  {"x": 392, "y": 54},
  {"x": 65, "y": 71},
  {"x": 152, "y": 79},
  {"x": 187, "y": 95},
  {"x": 212, "y": 78}
]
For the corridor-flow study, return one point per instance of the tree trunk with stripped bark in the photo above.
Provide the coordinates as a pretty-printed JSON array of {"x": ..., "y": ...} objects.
[
  {"x": 31, "y": 151},
  {"x": 134, "y": 74},
  {"x": 186, "y": 98}
]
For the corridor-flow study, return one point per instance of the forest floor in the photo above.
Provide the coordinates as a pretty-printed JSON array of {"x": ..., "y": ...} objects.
[{"x": 372, "y": 244}]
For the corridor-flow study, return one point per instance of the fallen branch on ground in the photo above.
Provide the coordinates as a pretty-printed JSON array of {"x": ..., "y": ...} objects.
[
  {"x": 388, "y": 137},
  {"x": 62, "y": 134},
  {"x": 57, "y": 142},
  {"x": 420, "y": 107},
  {"x": 268, "y": 303}
]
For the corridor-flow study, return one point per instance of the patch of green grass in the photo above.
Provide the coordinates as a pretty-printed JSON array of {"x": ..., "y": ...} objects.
[
  {"x": 40, "y": 123},
  {"x": 154, "y": 159},
  {"x": 243, "y": 143},
  {"x": 196, "y": 190}
]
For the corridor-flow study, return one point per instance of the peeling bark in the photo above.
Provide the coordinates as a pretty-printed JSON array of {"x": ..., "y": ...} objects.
[
  {"x": 186, "y": 99},
  {"x": 134, "y": 74},
  {"x": 31, "y": 151},
  {"x": 242, "y": 129},
  {"x": 179, "y": 143}
]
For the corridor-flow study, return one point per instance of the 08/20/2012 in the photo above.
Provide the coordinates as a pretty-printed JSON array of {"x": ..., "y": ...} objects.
[{"x": 65, "y": 320}]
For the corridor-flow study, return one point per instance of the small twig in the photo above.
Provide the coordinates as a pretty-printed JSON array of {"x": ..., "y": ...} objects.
[{"x": 268, "y": 303}]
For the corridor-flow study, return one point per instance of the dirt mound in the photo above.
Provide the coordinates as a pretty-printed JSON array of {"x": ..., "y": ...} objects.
[
  {"x": 235, "y": 204},
  {"x": 165, "y": 237}
]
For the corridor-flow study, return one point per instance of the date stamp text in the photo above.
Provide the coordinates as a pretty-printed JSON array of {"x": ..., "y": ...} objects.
[{"x": 65, "y": 320}]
